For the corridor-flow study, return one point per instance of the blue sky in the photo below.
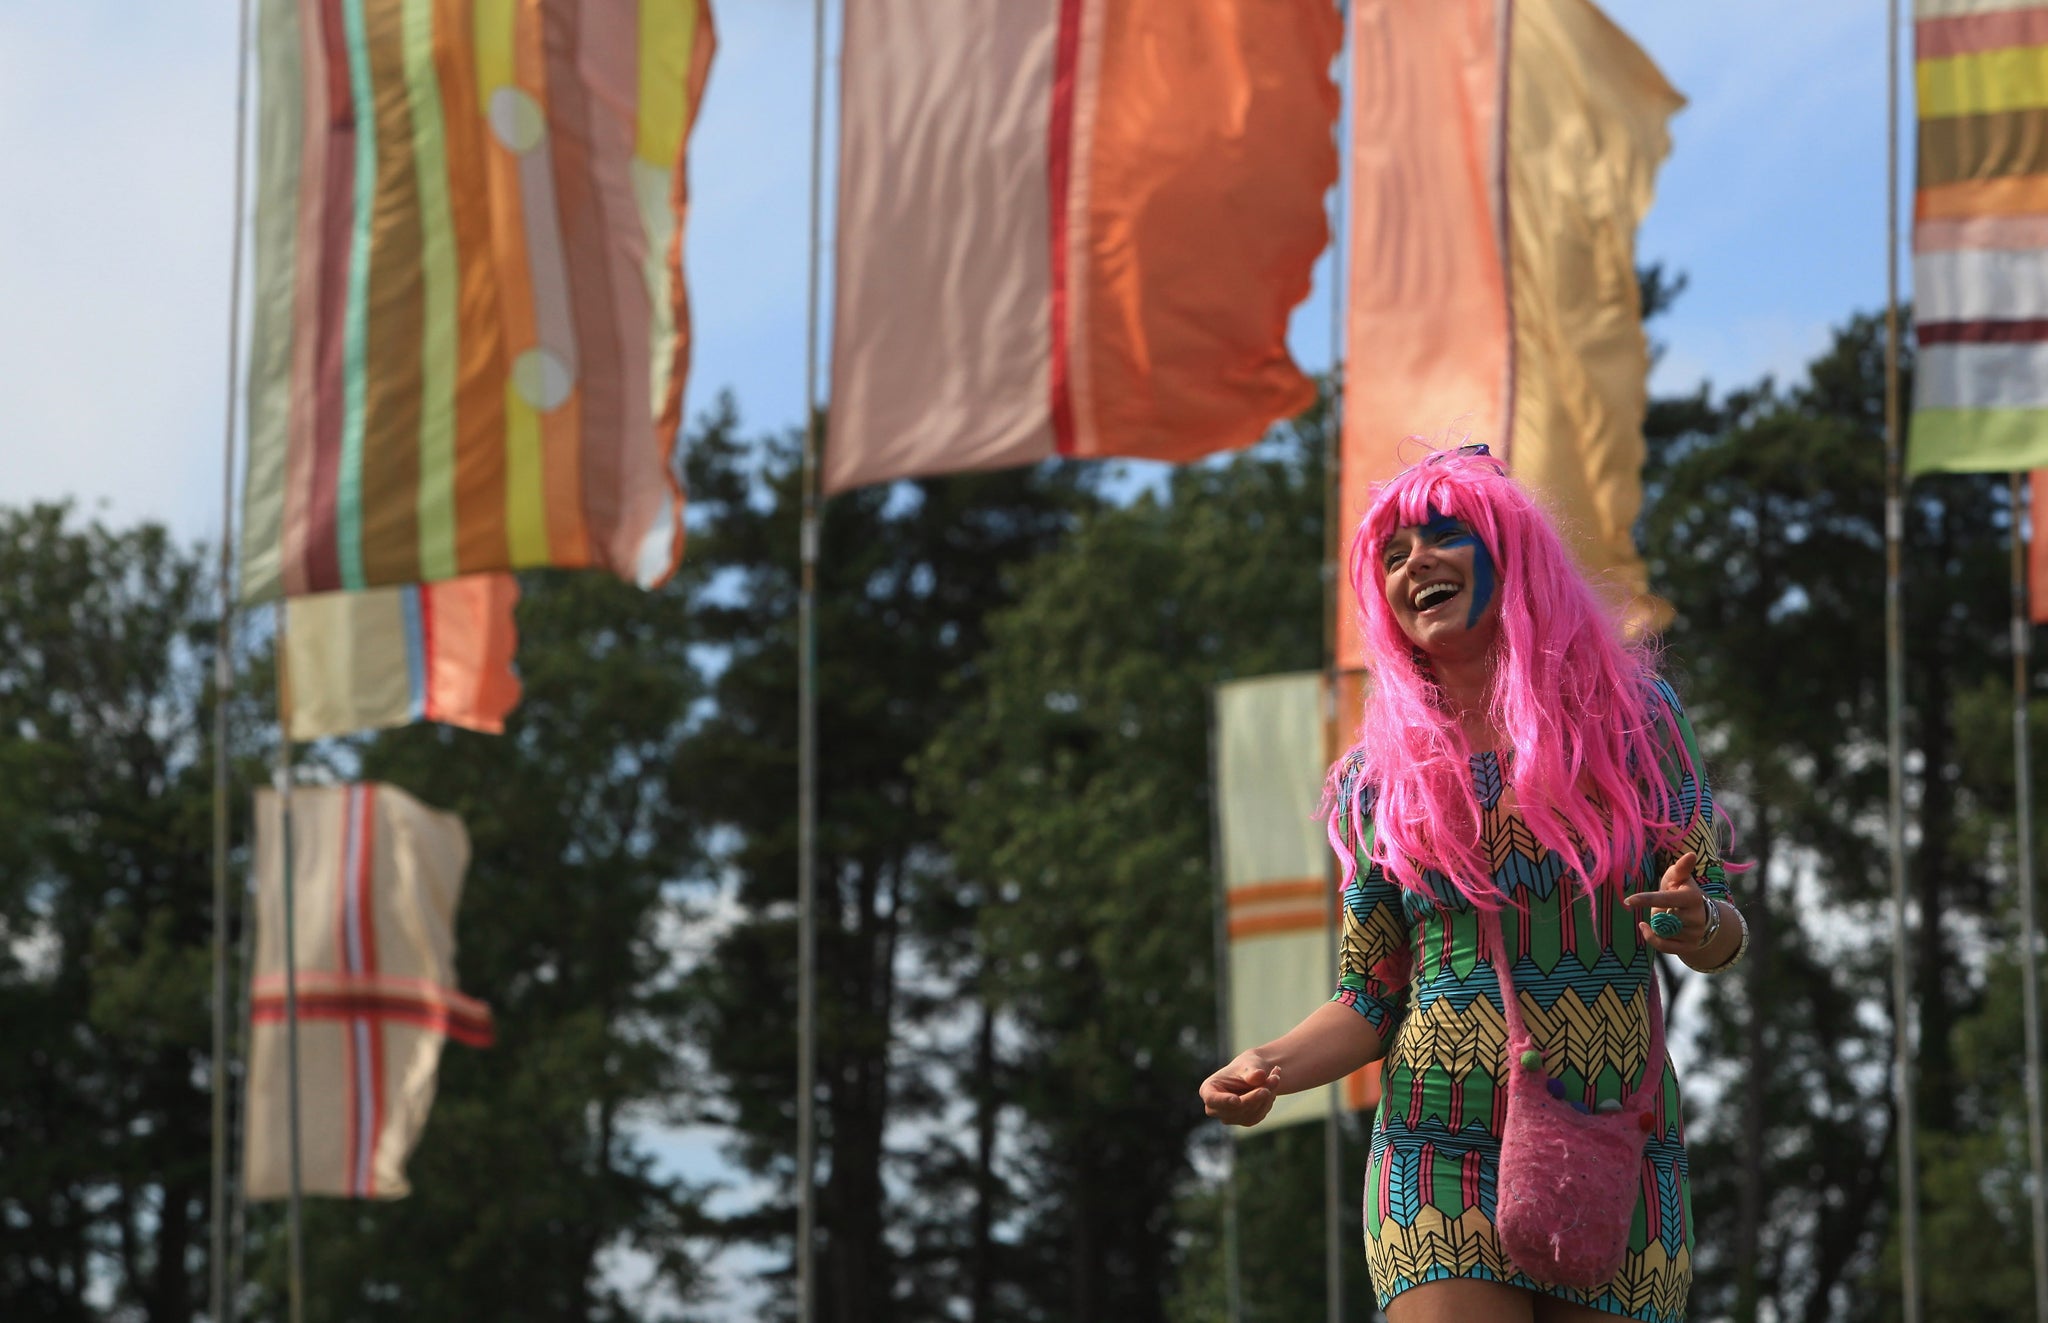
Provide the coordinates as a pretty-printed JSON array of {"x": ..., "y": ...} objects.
[{"x": 116, "y": 125}]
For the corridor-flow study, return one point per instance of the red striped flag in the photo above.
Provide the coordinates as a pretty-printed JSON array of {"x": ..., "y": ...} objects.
[{"x": 376, "y": 876}]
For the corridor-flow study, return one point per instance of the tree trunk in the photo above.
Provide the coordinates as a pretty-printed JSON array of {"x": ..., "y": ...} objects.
[
  {"x": 857, "y": 1277},
  {"x": 1932, "y": 993},
  {"x": 981, "y": 1257},
  {"x": 1748, "y": 1235}
]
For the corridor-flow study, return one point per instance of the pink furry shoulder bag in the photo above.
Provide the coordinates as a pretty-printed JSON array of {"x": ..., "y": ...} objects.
[{"x": 1569, "y": 1177}]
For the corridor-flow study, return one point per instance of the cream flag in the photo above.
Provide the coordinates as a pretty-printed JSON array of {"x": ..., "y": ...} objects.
[
  {"x": 388, "y": 656},
  {"x": 376, "y": 876},
  {"x": 1277, "y": 898}
]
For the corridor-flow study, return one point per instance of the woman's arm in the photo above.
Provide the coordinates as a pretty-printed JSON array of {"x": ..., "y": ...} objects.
[
  {"x": 1699, "y": 915},
  {"x": 1329, "y": 1044},
  {"x": 1354, "y": 1026},
  {"x": 1694, "y": 885}
]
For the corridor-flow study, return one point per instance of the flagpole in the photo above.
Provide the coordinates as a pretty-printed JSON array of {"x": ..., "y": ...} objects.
[
  {"x": 295, "y": 1285},
  {"x": 245, "y": 962},
  {"x": 1233, "y": 1252},
  {"x": 807, "y": 727},
  {"x": 1895, "y": 701},
  {"x": 220, "y": 1293},
  {"x": 1333, "y": 541},
  {"x": 2023, "y": 831}
]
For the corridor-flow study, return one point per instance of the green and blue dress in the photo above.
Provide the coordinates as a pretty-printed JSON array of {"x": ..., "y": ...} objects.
[{"x": 1413, "y": 966}]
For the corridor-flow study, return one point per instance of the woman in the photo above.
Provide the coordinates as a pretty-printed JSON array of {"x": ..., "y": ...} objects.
[{"x": 1521, "y": 783}]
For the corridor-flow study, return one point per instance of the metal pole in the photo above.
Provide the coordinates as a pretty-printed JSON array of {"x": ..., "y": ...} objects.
[
  {"x": 807, "y": 729},
  {"x": 2023, "y": 832},
  {"x": 220, "y": 1295},
  {"x": 295, "y": 1216},
  {"x": 1333, "y": 1121},
  {"x": 1233, "y": 1251},
  {"x": 1895, "y": 700},
  {"x": 245, "y": 962},
  {"x": 1231, "y": 1248},
  {"x": 1333, "y": 543}
]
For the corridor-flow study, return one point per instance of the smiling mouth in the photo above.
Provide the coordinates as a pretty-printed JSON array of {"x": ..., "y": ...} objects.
[{"x": 1433, "y": 595}]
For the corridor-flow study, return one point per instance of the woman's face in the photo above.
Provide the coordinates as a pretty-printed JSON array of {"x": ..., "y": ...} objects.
[{"x": 1442, "y": 587}]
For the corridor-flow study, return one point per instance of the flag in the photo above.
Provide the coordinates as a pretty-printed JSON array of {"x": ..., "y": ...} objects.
[
  {"x": 388, "y": 656},
  {"x": 2037, "y": 547},
  {"x": 470, "y": 330},
  {"x": 1980, "y": 237},
  {"x": 376, "y": 877},
  {"x": 1503, "y": 154},
  {"x": 1279, "y": 908},
  {"x": 1075, "y": 227}
]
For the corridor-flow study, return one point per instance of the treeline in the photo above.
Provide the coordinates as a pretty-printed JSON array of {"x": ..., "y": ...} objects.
[{"x": 1016, "y": 951}]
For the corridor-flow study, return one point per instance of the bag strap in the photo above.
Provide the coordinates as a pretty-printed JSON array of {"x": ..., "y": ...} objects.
[{"x": 1653, "y": 1062}]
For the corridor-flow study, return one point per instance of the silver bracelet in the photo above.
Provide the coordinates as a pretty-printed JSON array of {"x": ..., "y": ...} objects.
[
  {"x": 1712, "y": 927},
  {"x": 1741, "y": 947}
]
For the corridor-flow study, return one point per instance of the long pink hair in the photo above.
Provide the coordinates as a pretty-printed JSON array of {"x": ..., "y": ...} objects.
[{"x": 1575, "y": 701}]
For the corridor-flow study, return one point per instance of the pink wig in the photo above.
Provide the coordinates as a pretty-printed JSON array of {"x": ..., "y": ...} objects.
[{"x": 1575, "y": 702}]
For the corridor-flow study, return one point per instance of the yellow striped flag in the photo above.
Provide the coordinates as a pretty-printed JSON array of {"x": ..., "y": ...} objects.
[
  {"x": 1503, "y": 154},
  {"x": 1279, "y": 909},
  {"x": 1980, "y": 237},
  {"x": 470, "y": 329}
]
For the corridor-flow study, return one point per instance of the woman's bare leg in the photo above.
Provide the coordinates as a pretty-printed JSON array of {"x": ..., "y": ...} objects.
[
  {"x": 1550, "y": 1309},
  {"x": 1461, "y": 1300}
]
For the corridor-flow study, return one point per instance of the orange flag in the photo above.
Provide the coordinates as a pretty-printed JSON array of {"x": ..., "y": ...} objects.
[
  {"x": 1499, "y": 176},
  {"x": 1073, "y": 228}
]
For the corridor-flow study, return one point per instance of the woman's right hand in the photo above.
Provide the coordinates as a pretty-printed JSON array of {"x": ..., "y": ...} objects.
[{"x": 1242, "y": 1092}]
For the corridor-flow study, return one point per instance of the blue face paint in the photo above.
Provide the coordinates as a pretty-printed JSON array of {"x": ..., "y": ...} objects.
[{"x": 1447, "y": 532}]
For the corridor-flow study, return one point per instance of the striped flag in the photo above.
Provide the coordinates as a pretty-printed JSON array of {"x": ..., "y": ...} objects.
[
  {"x": 389, "y": 656},
  {"x": 1073, "y": 227},
  {"x": 1279, "y": 909},
  {"x": 1980, "y": 237},
  {"x": 376, "y": 876},
  {"x": 470, "y": 329},
  {"x": 1504, "y": 152}
]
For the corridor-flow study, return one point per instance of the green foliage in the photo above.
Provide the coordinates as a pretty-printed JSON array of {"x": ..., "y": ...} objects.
[
  {"x": 1016, "y": 948},
  {"x": 1078, "y": 798},
  {"x": 908, "y": 577},
  {"x": 534, "y": 1180},
  {"x": 105, "y": 919},
  {"x": 1763, "y": 522}
]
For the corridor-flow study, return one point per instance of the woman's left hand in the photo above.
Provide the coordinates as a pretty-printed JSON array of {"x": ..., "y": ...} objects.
[{"x": 1677, "y": 894}]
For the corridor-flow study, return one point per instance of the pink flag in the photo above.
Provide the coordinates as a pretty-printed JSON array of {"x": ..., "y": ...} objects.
[{"x": 1073, "y": 228}]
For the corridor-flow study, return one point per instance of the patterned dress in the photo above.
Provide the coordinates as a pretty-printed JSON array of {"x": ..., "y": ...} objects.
[{"x": 1413, "y": 967}]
